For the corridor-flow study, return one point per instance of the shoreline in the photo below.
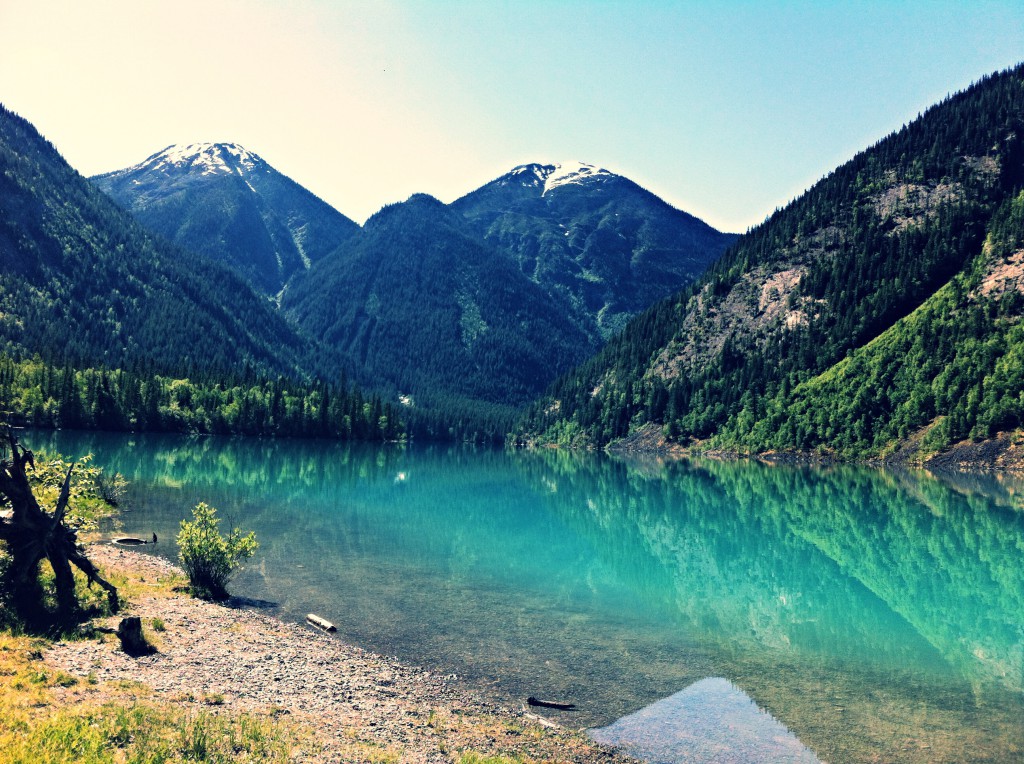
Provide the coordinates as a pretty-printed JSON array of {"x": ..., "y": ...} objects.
[
  {"x": 1003, "y": 453},
  {"x": 356, "y": 705}
]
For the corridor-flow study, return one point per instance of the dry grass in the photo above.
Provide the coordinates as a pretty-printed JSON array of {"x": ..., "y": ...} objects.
[{"x": 124, "y": 727}]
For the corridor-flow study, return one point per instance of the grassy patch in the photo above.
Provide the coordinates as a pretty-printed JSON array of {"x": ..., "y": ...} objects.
[
  {"x": 131, "y": 586},
  {"x": 127, "y": 729},
  {"x": 143, "y": 733}
]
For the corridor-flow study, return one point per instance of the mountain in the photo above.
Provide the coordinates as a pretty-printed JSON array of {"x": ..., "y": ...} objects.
[
  {"x": 478, "y": 305},
  {"x": 225, "y": 202},
  {"x": 596, "y": 239},
  {"x": 82, "y": 282},
  {"x": 877, "y": 314},
  {"x": 415, "y": 301}
]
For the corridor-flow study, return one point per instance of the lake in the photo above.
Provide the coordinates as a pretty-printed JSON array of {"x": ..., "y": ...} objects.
[{"x": 693, "y": 611}]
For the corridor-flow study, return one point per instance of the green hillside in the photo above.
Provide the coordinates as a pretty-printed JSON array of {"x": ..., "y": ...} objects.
[
  {"x": 730, "y": 362},
  {"x": 955, "y": 365}
]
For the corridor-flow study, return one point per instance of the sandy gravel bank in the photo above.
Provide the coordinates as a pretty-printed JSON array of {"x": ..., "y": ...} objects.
[{"x": 360, "y": 706}]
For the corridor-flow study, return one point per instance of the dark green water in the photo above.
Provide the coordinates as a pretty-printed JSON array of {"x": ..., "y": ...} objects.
[{"x": 721, "y": 609}]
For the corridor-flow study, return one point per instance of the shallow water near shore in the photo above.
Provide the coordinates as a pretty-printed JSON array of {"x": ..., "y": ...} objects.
[{"x": 710, "y": 611}]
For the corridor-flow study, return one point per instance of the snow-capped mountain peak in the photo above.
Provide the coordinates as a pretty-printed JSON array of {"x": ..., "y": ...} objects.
[
  {"x": 207, "y": 158},
  {"x": 551, "y": 176}
]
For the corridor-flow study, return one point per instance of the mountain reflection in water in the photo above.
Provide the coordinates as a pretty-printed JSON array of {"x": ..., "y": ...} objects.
[{"x": 711, "y": 720}]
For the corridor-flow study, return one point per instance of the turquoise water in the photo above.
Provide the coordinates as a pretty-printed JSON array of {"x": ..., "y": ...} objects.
[{"x": 708, "y": 610}]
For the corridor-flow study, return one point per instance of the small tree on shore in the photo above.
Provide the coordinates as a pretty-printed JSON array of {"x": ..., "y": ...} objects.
[{"x": 209, "y": 558}]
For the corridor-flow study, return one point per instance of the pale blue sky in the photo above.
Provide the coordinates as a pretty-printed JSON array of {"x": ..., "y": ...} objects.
[{"x": 727, "y": 110}]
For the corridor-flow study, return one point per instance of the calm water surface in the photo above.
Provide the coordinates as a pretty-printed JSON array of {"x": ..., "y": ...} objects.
[{"x": 704, "y": 611}]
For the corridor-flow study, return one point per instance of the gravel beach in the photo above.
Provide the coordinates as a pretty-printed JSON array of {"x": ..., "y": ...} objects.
[{"x": 358, "y": 705}]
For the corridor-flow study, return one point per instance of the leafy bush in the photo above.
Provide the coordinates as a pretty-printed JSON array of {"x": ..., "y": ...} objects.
[
  {"x": 94, "y": 493},
  {"x": 209, "y": 558}
]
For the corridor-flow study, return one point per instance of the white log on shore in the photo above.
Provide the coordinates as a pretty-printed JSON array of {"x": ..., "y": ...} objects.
[{"x": 321, "y": 623}]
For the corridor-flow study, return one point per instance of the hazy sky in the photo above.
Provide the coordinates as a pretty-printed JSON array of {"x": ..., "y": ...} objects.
[{"x": 726, "y": 109}]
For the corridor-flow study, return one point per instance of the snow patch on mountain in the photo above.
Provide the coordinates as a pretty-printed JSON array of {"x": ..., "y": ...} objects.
[
  {"x": 299, "y": 237},
  {"x": 573, "y": 173},
  {"x": 207, "y": 158},
  {"x": 551, "y": 176}
]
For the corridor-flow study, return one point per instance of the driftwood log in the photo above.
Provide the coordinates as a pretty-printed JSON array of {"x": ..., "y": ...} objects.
[
  {"x": 31, "y": 535},
  {"x": 130, "y": 541},
  {"x": 550, "y": 704},
  {"x": 321, "y": 623}
]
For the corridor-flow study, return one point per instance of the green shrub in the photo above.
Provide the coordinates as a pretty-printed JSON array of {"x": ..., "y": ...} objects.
[{"x": 209, "y": 558}]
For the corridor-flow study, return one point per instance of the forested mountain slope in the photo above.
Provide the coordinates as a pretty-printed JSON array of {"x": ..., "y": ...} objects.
[
  {"x": 227, "y": 203},
  {"x": 417, "y": 303},
  {"x": 82, "y": 282},
  {"x": 607, "y": 246},
  {"x": 923, "y": 219}
]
